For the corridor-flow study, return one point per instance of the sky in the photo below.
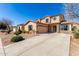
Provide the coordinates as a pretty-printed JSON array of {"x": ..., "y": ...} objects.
[{"x": 20, "y": 13}]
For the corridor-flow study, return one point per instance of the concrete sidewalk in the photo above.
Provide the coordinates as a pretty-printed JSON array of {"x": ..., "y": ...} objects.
[{"x": 44, "y": 44}]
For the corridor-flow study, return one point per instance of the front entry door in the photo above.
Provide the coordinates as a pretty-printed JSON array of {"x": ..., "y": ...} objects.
[{"x": 54, "y": 28}]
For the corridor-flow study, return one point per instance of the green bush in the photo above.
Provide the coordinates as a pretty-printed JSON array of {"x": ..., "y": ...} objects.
[
  {"x": 18, "y": 32},
  {"x": 3, "y": 26},
  {"x": 76, "y": 34},
  {"x": 17, "y": 38}
]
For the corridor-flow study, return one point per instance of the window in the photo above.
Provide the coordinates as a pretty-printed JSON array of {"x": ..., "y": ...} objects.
[
  {"x": 30, "y": 27},
  {"x": 47, "y": 20},
  {"x": 64, "y": 27}
]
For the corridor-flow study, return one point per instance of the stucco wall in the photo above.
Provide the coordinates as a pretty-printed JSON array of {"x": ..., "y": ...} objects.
[
  {"x": 51, "y": 20},
  {"x": 55, "y": 21},
  {"x": 30, "y": 23},
  {"x": 44, "y": 20}
]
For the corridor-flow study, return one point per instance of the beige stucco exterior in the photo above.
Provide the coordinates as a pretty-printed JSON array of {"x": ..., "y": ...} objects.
[
  {"x": 55, "y": 19},
  {"x": 44, "y": 20},
  {"x": 53, "y": 24},
  {"x": 30, "y": 23}
]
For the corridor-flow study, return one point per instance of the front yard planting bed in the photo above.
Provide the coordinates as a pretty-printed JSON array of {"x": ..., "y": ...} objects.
[{"x": 6, "y": 38}]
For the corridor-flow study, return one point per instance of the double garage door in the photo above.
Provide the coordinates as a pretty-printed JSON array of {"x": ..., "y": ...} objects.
[{"x": 42, "y": 29}]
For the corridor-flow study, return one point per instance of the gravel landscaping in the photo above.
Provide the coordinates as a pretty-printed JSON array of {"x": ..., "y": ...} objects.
[{"x": 6, "y": 38}]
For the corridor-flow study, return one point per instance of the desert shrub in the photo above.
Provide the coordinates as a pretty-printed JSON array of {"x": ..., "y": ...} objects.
[
  {"x": 74, "y": 29},
  {"x": 17, "y": 38},
  {"x": 18, "y": 32},
  {"x": 76, "y": 34},
  {"x": 3, "y": 25}
]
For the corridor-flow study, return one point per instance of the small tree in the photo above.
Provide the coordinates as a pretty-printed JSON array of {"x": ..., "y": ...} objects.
[
  {"x": 8, "y": 23},
  {"x": 3, "y": 26},
  {"x": 71, "y": 10},
  {"x": 18, "y": 32}
]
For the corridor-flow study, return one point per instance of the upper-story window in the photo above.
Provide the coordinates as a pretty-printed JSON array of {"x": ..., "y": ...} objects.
[
  {"x": 47, "y": 20},
  {"x": 54, "y": 18}
]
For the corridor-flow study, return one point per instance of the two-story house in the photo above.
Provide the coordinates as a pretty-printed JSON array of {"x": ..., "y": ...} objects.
[{"x": 50, "y": 24}]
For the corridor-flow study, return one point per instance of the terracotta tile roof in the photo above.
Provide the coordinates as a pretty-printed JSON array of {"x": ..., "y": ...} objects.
[{"x": 67, "y": 22}]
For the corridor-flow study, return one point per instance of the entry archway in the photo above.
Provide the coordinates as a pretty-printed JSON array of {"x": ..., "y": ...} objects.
[{"x": 54, "y": 28}]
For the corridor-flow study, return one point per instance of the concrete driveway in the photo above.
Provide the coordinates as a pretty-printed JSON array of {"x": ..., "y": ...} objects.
[{"x": 54, "y": 44}]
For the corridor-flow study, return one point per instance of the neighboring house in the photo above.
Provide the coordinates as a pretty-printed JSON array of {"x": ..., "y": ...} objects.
[
  {"x": 30, "y": 26},
  {"x": 20, "y": 27},
  {"x": 14, "y": 28},
  {"x": 49, "y": 24}
]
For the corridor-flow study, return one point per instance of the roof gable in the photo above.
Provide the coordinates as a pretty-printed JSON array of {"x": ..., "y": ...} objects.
[{"x": 29, "y": 21}]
